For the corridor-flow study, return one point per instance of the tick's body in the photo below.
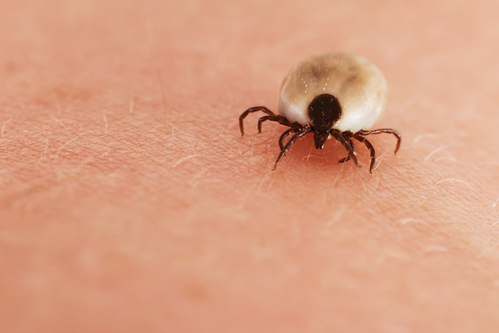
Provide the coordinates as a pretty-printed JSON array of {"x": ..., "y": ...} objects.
[{"x": 332, "y": 95}]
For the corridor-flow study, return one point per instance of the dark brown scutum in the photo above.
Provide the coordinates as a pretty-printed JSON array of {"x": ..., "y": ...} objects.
[{"x": 324, "y": 111}]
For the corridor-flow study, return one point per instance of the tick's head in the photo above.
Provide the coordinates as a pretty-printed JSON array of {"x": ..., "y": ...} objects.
[
  {"x": 324, "y": 111},
  {"x": 320, "y": 139}
]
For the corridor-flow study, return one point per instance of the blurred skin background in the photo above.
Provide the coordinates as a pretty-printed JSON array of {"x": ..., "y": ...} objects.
[{"x": 130, "y": 203}]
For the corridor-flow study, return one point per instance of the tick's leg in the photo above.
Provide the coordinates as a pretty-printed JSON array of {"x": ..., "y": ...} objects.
[
  {"x": 371, "y": 150},
  {"x": 345, "y": 144},
  {"x": 284, "y": 135},
  {"x": 289, "y": 144},
  {"x": 346, "y": 159},
  {"x": 280, "y": 119},
  {"x": 251, "y": 110},
  {"x": 384, "y": 130}
]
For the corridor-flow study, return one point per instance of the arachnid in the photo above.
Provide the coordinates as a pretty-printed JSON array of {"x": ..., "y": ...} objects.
[{"x": 333, "y": 95}]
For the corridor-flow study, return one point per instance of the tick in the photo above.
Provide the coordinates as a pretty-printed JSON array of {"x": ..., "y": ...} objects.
[{"x": 333, "y": 95}]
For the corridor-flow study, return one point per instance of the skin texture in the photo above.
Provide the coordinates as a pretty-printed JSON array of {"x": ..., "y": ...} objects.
[{"x": 130, "y": 203}]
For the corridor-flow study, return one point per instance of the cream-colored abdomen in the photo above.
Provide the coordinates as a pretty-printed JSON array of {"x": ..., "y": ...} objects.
[{"x": 357, "y": 83}]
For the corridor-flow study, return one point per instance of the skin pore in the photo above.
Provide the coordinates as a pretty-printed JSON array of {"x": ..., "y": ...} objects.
[{"x": 130, "y": 202}]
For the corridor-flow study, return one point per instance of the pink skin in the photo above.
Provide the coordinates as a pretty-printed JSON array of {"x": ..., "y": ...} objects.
[{"x": 110, "y": 222}]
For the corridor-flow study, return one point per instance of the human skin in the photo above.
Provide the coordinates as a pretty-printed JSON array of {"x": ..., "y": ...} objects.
[{"x": 130, "y": 202}]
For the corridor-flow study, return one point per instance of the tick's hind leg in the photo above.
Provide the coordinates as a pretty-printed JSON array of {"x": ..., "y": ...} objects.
[
  {"x": 384, "y": 130},
  {"x": 346, "y": 159},
  {"x": 251, "y": 110},
  {"x": 284, "y": 135},
  {"x": 371, "y": 150},
  {"x": 338, "y": 136}
]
